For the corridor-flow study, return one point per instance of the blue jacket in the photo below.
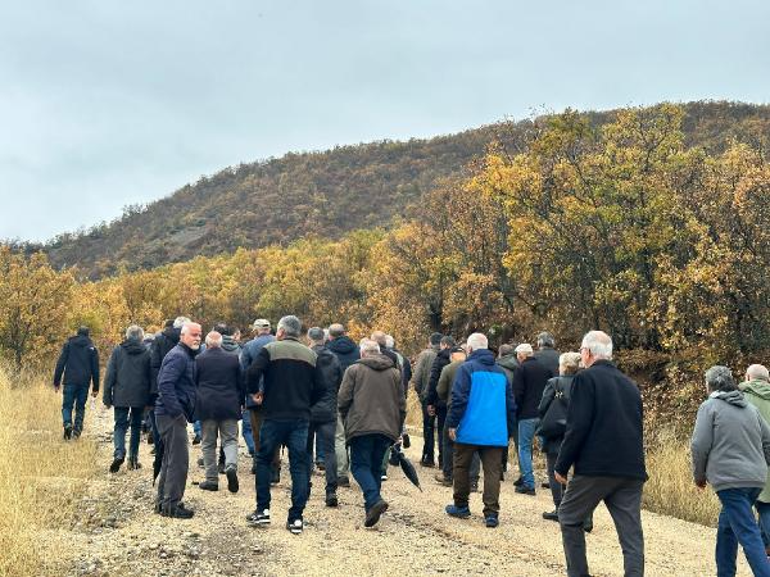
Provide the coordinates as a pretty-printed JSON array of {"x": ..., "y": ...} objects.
[
  {"x": 176, "y": 383},
  {"x": 483, "y": 409},
  {"x": 249, "y": 354}
]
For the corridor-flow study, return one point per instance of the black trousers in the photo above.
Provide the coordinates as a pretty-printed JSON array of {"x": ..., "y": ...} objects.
[{"x": 428, "y": 434}]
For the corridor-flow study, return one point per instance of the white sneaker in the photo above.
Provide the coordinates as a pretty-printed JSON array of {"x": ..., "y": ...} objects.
[{"x": 257, "y": 519}]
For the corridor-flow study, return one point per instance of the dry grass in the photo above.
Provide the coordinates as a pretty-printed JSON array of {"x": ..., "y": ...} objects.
[
  {"x": 41, "y": 477},
  {"x": 671, "y": 490}
]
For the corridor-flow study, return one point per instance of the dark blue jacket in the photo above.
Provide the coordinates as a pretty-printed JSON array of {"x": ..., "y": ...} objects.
[
  {"x": 176, "y": 384},
  {"x": 248, "y": 355},
  {"x": 79, "y": 362},
  {"x": 346, "y": 350},
  {"x": 483, "y": 410},
  {"x": 220, "y": 385}
]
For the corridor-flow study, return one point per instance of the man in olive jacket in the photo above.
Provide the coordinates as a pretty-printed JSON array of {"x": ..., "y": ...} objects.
[
  {"x": 127, "y": 389},
  {"x": 372, "y": 407}
]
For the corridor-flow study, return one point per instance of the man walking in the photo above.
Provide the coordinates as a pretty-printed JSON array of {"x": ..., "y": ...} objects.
[
  {"x": 174, "y": 408},
  {"x": 127, "y": 389},
  {"x": 79, "y": 363},
  {"x": 420, "y": 382},
  {"x": 481, "y": 419},
  {"x": 372, "y": 406},
  {"x": 435, "y": 407},
  {"x": 604, "y": 442},
  {"x": 219, "y": 399},
  {"x": 285, "y": 380}
]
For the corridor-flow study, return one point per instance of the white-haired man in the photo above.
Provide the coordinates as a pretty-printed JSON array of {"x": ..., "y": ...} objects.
[
  {"x": 481, "y": 419},
  {"x": 604, "y": 442}
]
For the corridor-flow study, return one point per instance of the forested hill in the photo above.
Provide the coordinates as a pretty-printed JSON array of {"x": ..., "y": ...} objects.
[{"x": 324, "y": 193}]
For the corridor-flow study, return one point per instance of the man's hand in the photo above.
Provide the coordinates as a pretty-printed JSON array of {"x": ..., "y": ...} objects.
[
  {"x": 701, "y": 484},
  {"x": 559, "y": 478},
  {"x": 431, "y": 411},
  {"x": 452, "y": 434},
  {"x": 258, "y": 398}
]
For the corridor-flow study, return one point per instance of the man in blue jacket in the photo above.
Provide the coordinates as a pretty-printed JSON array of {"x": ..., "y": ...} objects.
[
  {"x": 79, "y": 363},
  {"x": 481, "y": 419},
  {"x": 173, "y": 409}
]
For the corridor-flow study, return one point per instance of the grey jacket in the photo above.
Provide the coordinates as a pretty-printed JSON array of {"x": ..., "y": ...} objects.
[{"x": 730, "y": 443}]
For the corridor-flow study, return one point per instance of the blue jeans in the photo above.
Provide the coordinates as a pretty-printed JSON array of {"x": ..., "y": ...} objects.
[
  {"x": 738, "y": 525},
  {"x": 366, "y": 454},
  {"x": 246, "y": 431},
  {"x": 76, "y": 395},
  {"x": 197, "y": 428},
  {"x": 764, "y": 521},
  {"x": 527, "y": 428},
  {"x": 272, "y": 435},
  {"x": 122, "y": 420}
]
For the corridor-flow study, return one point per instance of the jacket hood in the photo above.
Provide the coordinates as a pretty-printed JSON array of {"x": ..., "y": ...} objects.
[
  {"x": 342, "y": 345},
  {"x": 733, "y": 397},
  {"x": 172, "y": 334},
  {"x": 377, "y": 362},
  {"x": 759, "y": 388},
  {"x": 133, "y": 347},
  {"x": 230, "y": 344},
  {"x": 483, "y": 356},
  {"x": 508, "y": 361},
  {"x": 318, "y": 349},
  {"x": 81, "y": 341}
]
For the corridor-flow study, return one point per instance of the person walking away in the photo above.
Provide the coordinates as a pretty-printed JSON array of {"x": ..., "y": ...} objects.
[
  {"x": 420, "y": 382},
  {"x": 219, "y": 400},
  {"x": 373, "y": 408},
  {"x": 263, "y": 336},
  {"x": 481, "y": 419},
  {"x": 79, "y": 365},
  {"x": 347, "y": 353},
  {"x": 557, "y": 390},
  {"x": 756, "y": 390},
  {"x": 529, "y": 381},
  {"x": 174, "y": 408},
  {"x": 323, "y": 415},
  {"x": 127, "y": 389},
  {"x": 546, "y": 353},
  {"x": 604, "y": 441},
  {"x": 507, "y": 360},
  {"x": 284, "y": 378},
  {"x": 434, "y": 406},
  {"x": 731, "y": 451}
]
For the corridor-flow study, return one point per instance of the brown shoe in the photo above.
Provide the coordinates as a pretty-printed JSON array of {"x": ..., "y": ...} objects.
[{"x": 443, "y": 480}]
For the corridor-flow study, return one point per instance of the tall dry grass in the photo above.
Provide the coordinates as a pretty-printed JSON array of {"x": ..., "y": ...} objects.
[{"x": 41, "y": 477}]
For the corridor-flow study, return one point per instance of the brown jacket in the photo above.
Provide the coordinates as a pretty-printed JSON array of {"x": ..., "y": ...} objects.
[{"x": 371, "y": 398}]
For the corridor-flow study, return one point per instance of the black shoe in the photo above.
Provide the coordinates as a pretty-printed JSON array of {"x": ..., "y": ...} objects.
[
  {"x": 232, "y": 480},
  {"x": 257, "y": 519},
  {"x": 551, "y": 516},
  {"x": 343, "y": 481},
  {"x": 254, "y": 469},
  {"x": 320, "y": 466},
  {"x": 178, "y": 512},
  {"x": 152, "y": 451},
  {"x": 196, "y": 440},
  {"x": 373, "y": 515},
  {"x": 134, "y": 464},
  {"x": 427, "y": 463},
  {"x": 76, "y": 433},
  {"x": 209, "y": 486},
  {"x": 67, "y": 432},
  {"x": 115, "y": 467},
  {"x": 331, "y": 500},
  {"x": 475, "y": 487},
  {"x": 518, "y": 482},
  {"x": 406, "y": 441},
  {"x": 545, "y": 485},
  {"x": 522, "y": 490},
  {"x": 201, "y": 463},
  {"x": 150, "y": 438},
  {"x": 221, "y": 469},
  {"x": 588, "y": 526}
]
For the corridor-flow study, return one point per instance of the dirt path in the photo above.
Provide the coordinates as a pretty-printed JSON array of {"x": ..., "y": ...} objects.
[{"x": 118, "y": 534}]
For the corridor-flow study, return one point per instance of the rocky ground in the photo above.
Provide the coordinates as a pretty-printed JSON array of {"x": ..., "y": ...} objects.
[{"x": 118, "y": 534}]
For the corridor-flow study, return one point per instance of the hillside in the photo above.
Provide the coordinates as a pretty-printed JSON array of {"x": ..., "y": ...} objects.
[{"x": 325, "y": 193}]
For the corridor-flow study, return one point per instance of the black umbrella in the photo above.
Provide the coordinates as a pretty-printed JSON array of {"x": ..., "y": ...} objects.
[
  {"x": 406, "y": 465},
  {"x": 156, "y": 464}
]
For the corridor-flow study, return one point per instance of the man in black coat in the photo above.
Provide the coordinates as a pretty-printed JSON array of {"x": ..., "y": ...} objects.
[
  {"x": 219, "y": 408},
  {"x": 435, "y": 405},
  {"x": 604, "y": 442},
  {"x": 323, "y": 415},
  {"x": 529, "y": 380},
  {"x": 79, "y": 363},
  {"x": 127, "y": 389},
  {"x": 546, "y": 353},
  {"x": 347, "y": 353}
]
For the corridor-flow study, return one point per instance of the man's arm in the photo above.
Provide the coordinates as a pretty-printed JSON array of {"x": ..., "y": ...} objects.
[
  {"x": 701, "y": 443},
  {"x": 435, "y": 372},
  {"x": 170, "y": 372},
  {"x": 461, "y": 390},
  {"x": 580, "y": 417},
  {"x": 345, "y": 396},
  {"x": 510, "y": 409},
  {"x": 60, "y": 364},
  {"x": 257, "y": 370},
  {"x": 442, "y": 389},
  {"x": 417, "y": 376},
  {"x": 765, "y": 437},
  {"x": 109, "y": 379}
]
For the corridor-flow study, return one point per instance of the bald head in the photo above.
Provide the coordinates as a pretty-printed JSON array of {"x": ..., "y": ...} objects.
[
  {"x": 757, "y": 373},
  {"x": 380, "y": 338}
]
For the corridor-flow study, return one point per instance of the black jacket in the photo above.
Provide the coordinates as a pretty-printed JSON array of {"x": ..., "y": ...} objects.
[
  {"x": 161, "y": 346},
  {"x": 550, "y": 358},
  {"x": 220, "y": 386},
  {"x": 346, "y": 350},
  {"x": 604, "y": 435},
  {"x": 529, "y": 381},
  {"x": 325, "y": 410},
  {"x": 79, "y": 362},
  {"x": 563, "y": 386},
  {"x": 128, "y": 379},
  {"x": 292, "y": 382},
  {"x": 443, "y": 358}
]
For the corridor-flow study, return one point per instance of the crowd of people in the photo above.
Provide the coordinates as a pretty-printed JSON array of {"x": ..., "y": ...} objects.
[{"x": 340, "y": 406}]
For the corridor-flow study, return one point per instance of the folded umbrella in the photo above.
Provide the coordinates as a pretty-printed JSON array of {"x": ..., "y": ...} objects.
[{"x": 406, "y": 466}]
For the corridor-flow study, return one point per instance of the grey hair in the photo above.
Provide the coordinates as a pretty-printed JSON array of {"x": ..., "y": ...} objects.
[
  {"x": 720, "y": 378},
  {"x": 187, "y": 326},
  {"x": 134, "y": 332},
  {"x": 291, "y": 326},
  {"x": 545, "y": 339},
  {"x": 599, "y": 344},
  {"x": 390, "y": 342},
  {"x": 179, "y": 322},
  {"x": 569, "y": 363},
  {"x": 336, "y": 330},
  {"x": 214, "y": 340},
  {"x": 757, "y": 373},
  {"x": 369, "y": 347},
  {"x": 478, "y": 341}
]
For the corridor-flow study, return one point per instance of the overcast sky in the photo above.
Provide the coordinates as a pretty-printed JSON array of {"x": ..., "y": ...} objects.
[{"x": 106, "y": 103}]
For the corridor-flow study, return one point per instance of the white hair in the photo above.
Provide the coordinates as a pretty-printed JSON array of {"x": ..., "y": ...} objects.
[
  {"x": 369, "y": 347},
  {"x": 179, "y": 322},
  {"x": 524, "y": 349},
  {"x": 134, "y": 332},
  {"x": 599, "y": 344},
  {"x": 187, "y": 326},
  {"x": 214, "y": 340},
  {"x": 757, "y": 373},
  {"x": 477, "y": 341},
  {"x": 390, "y": 342}
]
